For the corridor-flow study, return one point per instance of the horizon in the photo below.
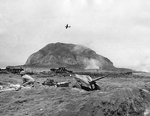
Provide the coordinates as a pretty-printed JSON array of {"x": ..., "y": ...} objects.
[{"x": 117, "y": 30}]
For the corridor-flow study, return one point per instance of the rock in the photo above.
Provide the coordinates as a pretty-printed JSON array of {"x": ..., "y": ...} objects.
[{"x": 68, "y": 55}]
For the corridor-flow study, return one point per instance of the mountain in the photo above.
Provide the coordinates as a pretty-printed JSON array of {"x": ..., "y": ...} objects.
[{"x": 69, "y": 55}]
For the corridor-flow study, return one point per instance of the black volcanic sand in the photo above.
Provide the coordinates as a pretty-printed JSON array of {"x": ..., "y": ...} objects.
[{"x": 117, "y": 97}]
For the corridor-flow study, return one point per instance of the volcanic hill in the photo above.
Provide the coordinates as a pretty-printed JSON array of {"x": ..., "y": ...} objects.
[{"x": 69, "y": 55}]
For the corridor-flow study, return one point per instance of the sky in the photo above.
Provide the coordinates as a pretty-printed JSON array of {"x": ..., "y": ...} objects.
[{"x": 116, "y": 29}]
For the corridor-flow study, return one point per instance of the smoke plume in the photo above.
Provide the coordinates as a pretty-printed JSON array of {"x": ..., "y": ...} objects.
[{"x": 91, "y": 64}]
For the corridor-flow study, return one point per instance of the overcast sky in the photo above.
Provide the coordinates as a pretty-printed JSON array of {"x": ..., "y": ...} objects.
[{"x": 116, "y": 29}]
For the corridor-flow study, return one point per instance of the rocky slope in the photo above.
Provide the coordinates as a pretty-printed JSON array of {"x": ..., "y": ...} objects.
[
  {"x": 68, "y": 55},
  {"x": 117, "y": 97}
]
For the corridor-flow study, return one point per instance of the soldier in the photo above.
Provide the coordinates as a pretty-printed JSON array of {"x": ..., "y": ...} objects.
[
  {"x": 85, "y": 82},
  {"x": 27, "y": 79}
]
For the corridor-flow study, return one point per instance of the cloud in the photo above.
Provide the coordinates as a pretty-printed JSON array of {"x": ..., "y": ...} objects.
[{"x": 143, "y": 64}]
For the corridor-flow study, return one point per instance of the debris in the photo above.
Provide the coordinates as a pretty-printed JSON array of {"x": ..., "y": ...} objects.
[
  {"x": 15, "y": 86},
  {"x": 14, "y": 69},
  {"x": 49, "y": 82},
  {"x": 11, "y": 87},
  {"x": 61, "y": 70},
  {"x": 63, "y": 84}
]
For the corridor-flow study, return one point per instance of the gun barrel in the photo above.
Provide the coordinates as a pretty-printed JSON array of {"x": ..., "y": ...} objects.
[{"x": 98, "y": 78}]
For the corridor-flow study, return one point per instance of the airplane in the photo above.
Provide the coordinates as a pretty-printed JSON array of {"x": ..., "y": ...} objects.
[{"x": 67, "y": 26}]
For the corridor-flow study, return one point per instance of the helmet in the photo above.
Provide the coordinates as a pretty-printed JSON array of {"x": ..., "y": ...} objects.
[{"x": 22, "y": 72}]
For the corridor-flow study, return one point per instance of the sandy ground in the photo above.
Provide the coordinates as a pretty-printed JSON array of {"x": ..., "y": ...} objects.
[{"x": 117, "y": 97}]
